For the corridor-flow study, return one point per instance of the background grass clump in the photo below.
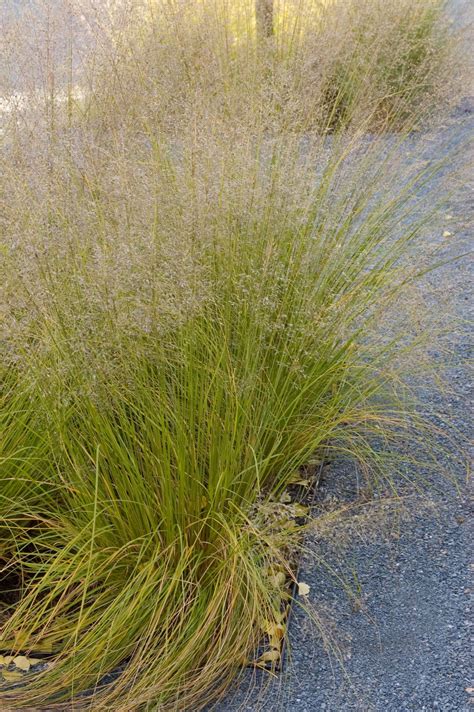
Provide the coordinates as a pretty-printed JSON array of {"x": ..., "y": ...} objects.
[
  {"x": 318, "y": 66},
  {"x": 193, "y": 279}
]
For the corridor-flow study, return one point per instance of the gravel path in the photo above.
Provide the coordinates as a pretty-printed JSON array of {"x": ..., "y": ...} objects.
[{"x": 406, "y": 646}]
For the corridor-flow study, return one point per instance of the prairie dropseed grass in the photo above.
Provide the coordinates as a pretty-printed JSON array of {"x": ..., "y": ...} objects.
[{"x": 199, "y": 242}]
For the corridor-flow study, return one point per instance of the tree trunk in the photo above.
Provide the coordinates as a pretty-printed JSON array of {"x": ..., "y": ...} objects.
[{"x": 264, "y": 14}]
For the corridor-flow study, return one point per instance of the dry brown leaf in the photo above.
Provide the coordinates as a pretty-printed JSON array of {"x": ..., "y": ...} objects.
[
  {"x": 303, "y": 588},
  {"x": 12, "y": 676},
  {"x": 22, "y": 663},
  {"x": 270, "y": 656},
  {"x": 274, "y": 630},
  {"x": 35, "y": 661},
  {"x": 276, "y": 636},
  {"x": 297, "y": 479},
  {"x": 301, "y": 510}
]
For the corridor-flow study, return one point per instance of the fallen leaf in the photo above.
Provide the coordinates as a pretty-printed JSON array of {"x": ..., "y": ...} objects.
[
  {"x": 270, "y": 656},
  {"x": 446, "y": 233},
  {"x": 5, "y": 660},
  {"x": 303, "y": 588},
  {"x": 297, "y": 479},
  {"x": 274, "y": 630},
  {"x": 22, "y": 663},
  {"x": 35, "y": 661},
  {"x": 301, "y": 510},
  {"x": 12, "y": 676},
  {"x": 277, "y": 636}
]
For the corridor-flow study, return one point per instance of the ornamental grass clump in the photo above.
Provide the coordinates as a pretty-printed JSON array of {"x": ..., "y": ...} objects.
[
  {"x": 193, "y": 279},
  {"x": 313, "y": 66},
  {"x": 309, "y": 65}
]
